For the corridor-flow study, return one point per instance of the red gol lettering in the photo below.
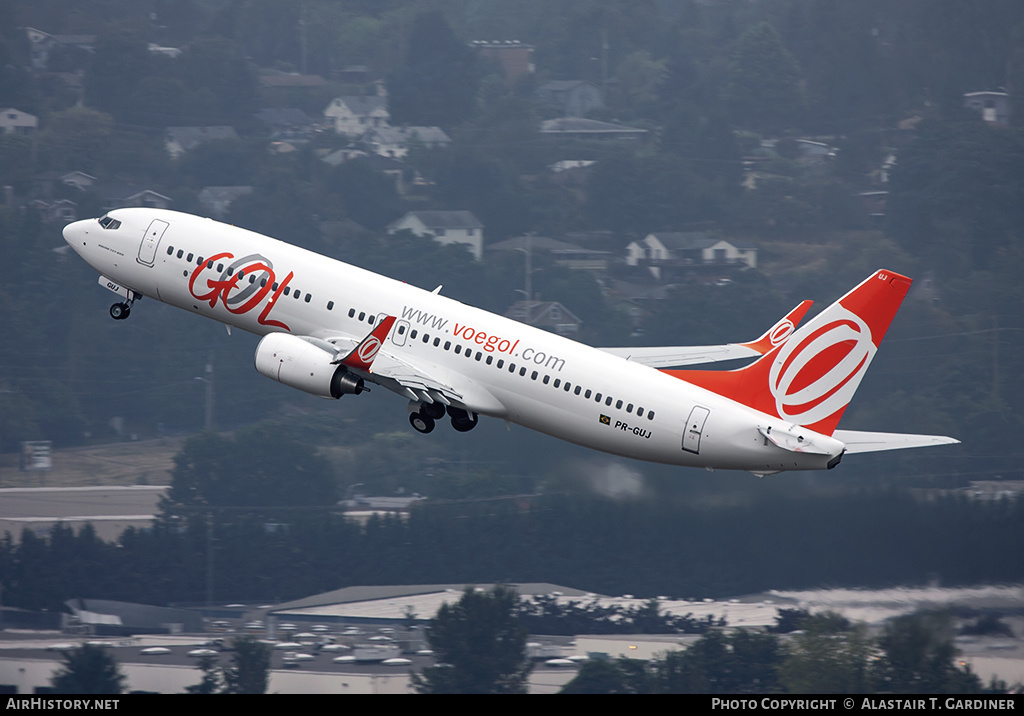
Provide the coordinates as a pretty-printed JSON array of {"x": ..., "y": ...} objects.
[{"x": 220, "y": 289}]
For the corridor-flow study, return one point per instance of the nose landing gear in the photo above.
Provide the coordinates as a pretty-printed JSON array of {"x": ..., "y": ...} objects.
[{"x": 121, "y": 311}]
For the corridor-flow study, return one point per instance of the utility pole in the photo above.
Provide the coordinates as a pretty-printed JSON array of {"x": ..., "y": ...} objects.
[{"x": 208, "y": 380}]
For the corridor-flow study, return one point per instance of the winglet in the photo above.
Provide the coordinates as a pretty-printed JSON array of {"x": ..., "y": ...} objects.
[
  {"x": 363, "y": 354},
  {"x": 780, "y": 331}
]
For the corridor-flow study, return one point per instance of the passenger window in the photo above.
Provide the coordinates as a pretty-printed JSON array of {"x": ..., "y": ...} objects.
[
  {"x": 587, "y": 394},
  {"x": 650, "y": 415},
  {"x": 170, "y": 250},
  {"x": 547, "y": 379},
  {"x": 413, "y": 334},
  {"x": 511, "y": 367},
  {"x": 401, "y": 330},
  {"x": 522, "y": 372},
  {"x": 618, "y": 405},
  {"x": 577, "y": 391},
  {"x": 501, "y": 364},
  {"x": 180, "y": 253},
  {"x": 533, "y": 376},
  {"x": 558, "y": 382},
  {"x": 309, "y": 297},
  {"x": 608, "y": 401},
  {"x": 189, "y": 258},
  {"x": 490, "y": 359},
  {"x": 362, "y": 315},
  {"x": 597, "y": 398},
  {"x": 351, "y": 313},
  {"x": 639, "y": 412},
  {"x": 567, "y": 386},
  {"x": 629, "y": 408},
  {"x": 437, "y": 342},
  {"x": 458, "y": 349},
  {"x": 330, "y": 305},
  {"x": 447, "y": 345},
  {"x": 287, "y": 289}
]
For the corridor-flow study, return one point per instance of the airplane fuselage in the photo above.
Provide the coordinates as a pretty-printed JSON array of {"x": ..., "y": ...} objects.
[{"x": 502, "y": 368}]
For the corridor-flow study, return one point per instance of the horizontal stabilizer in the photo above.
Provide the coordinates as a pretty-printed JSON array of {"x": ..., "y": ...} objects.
[{"x": 857, "y": 441}]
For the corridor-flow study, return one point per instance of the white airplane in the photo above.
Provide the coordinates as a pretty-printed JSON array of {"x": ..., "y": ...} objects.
[{"x": 330, "y": 328}]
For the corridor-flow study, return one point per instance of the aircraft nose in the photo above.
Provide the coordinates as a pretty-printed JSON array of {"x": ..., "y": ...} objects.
[{"x": 74, "y": 232}]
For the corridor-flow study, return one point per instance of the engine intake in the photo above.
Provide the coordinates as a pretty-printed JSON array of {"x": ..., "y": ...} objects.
[{"x": 299, "y": 364}]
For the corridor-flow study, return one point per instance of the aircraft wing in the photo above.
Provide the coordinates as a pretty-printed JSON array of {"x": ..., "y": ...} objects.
[
  {"x": 372, "y": 359},
  {"x": 670, "y": 356},
  {"x": 857, "y": 441}
]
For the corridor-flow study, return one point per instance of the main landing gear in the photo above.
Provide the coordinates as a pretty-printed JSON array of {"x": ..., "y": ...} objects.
[
  {"x": 426, "y": 415},
  {"x": 121, "y": 311}
]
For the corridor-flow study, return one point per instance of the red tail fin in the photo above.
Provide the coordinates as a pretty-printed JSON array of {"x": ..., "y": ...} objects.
[{"x": 811, "y": 378}]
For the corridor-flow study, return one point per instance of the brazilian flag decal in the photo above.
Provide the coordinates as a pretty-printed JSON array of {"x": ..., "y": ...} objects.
[{"x": 606, "y": 420}]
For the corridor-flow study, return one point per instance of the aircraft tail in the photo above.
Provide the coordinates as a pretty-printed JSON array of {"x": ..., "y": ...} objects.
[{"x": 810, "y": 378}]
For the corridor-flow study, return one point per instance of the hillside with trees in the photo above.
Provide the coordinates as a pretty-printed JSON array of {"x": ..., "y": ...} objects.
[{"x": 832, "y": 137}]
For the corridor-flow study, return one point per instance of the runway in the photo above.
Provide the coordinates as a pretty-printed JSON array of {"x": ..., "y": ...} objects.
[{"x": 110, "y": 509}]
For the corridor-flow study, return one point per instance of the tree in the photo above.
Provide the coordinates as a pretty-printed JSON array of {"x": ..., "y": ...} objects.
[
  {"x": 479, "y": 644},
  {"x": 258, "y": 467},
  {"x": 828, "y": 657},
  {"x": 249, "y": 672},
  {"x": 213, "y": 677},
  {"x": 437, "y": 84},
  {"x": 764, "y": 85},
  {"x": 88, "y": 669},
  {"x": 604, "y": 676},
  {"x": 918, "y": 658}
]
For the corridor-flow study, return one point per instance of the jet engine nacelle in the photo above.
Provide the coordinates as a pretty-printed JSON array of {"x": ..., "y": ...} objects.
[{"x": 299, "y": 364}]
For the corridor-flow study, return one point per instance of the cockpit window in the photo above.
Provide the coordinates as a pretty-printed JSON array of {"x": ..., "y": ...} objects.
[{"x": 109, "y": 223}]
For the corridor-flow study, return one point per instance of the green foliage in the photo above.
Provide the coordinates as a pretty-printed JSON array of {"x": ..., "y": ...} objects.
[
  {"x": 764, "y": 90},
  {"x": 437, "y": 82},
  {"x": 824, "y": 659},
  {"x": 919, "y": 658},
  {"x": 957, "y": 188},
  {"x": 260, "y": 468},
  {"x": 88, "y": 669},
  {"x": 604, "y": 676},
  {"x": 479, "y": 645},
  {"x": 213, "y": 677},
  {"x": 249, "y": 671}
]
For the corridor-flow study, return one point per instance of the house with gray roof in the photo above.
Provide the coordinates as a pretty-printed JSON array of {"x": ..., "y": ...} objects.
[
  {"x": 14, "y": 121},
  {"x": 687, "y": 249},
  {"x": 580, "y": 128},
  {"x": 445, "y": 227},
  {"x": 354, "y": 116},
  {"x": 573, "y": 97},
  {"x": 179, "y": 140},
  {"x": 395, "y": 142}
]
